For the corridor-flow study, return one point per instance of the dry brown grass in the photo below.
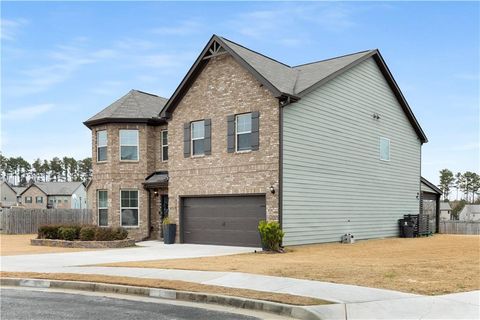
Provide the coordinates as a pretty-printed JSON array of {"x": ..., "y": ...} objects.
[
  {"x": 435, "y": 265},
  {"x": 15, "y": 244},
  {"x": 171, "y": 284}
]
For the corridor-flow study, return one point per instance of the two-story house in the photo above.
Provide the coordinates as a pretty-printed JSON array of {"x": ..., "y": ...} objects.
[
  {"x": 326, "y": 148},
  {"x": 54, "y": 195}
]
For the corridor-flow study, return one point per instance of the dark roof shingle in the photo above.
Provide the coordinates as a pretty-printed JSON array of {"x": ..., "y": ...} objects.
[{"x": 134, "y": 105}]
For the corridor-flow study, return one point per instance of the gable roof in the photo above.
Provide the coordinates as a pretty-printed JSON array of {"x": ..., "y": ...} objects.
[
  {"x": 444, "y": 206},
  {"x": 56, "y": 188},
  {"x": 430, "y": 185},
  {"x": 285, "y": 82},
  {"x": 136, "y": 106},
  {"x": 19, "y": 190},
  {"x": 9, "y": 186}
]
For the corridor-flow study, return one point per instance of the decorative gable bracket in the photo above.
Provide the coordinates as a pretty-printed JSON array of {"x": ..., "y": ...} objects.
[{"x": 215, "y": 50}]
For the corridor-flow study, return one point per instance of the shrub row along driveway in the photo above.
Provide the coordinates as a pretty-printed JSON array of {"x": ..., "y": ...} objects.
[{"x": 435, "y": 265}]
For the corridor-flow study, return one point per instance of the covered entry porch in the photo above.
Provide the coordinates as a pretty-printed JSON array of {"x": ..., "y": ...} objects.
[{"x": 157, "y": 186}]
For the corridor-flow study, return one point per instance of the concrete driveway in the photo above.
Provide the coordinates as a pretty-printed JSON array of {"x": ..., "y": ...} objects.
[{"x": 147, "y": 250}]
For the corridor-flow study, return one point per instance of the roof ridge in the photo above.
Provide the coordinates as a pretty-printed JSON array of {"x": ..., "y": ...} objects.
[
  {"x": 333, "y": 58},
  {"x": 147, "y": 93},
  {"x": 260, "y": 54}
]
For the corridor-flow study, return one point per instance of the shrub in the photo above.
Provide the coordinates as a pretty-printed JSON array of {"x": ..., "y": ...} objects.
[
  {"x": 48, "y": 232},
  {"x": 120, "y": 233},
  {"x": 104, "y": 234},
  {"x": 68, "y": 233},
  {"x": 271, "y": 234},
  {"x": 87, "y": 233}
]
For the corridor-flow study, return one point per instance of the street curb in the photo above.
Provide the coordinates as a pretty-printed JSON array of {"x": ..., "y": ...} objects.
[{"x": 296, "y": 312}]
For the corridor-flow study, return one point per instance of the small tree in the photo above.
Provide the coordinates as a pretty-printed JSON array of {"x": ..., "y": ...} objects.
[{"x": 446, "y": 182}]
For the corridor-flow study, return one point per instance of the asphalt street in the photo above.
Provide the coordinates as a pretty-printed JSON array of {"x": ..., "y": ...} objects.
[{"x": 24, "y": 304}]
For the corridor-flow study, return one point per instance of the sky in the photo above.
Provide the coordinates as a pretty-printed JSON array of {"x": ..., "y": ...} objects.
[{"x": 62, "y": 62}]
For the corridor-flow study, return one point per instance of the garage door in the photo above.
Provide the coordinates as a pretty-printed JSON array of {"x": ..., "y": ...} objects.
[{"x": 230, "y": 221}]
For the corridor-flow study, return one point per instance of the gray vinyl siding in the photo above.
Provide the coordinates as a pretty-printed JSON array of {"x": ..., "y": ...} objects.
[
  {"x": 426, "y": 188},
  {"x": 333, "y": 179}
]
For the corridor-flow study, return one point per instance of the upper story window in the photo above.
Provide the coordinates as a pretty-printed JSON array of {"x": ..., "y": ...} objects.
[
  {"x": 129, "y": 145},
  {"x": 102, "y": 145},
  {"x": 198, "y": 137},
  {"x": 243, "y": 132},
  {"x": 38, "y": 199},
  {"x": 384, "y": 149},
  {"x": 28, "y": 199},
  {"x": 164, "y": 143}
]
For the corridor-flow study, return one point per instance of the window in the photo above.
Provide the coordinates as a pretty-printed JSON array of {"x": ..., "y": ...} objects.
[
  {"x": 28, "y": 199},
  {"x": 164, "y": 137},
  {"x": 65, "y": 199},
  {"x": 38, "y": 199},
  {"x": 385, "y": 149},
  {"x": 129, "y": 145},
  {"x": 102, "y": 145},
  {"x": 243, "y": 132},
  {"x": 102, "y": 199},
  {"x": 198, "y": 137},
  {"x": 129, "y": 208}
]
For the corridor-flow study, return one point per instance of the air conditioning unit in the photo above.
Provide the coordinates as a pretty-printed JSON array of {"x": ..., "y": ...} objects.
[{"x": 348, "y": 238}]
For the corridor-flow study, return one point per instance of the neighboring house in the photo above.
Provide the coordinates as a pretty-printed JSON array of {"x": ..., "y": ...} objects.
[
  {"x": 8, "y": 195},
  {"x": 19, "y": 191},
  {"x": 58, "y": 195},
  {"x": 445, "y": 211},
  {"x": 245, "y": 138},
  {"x": 471, "y": 212},
  {"x": 430, "y": 202}
]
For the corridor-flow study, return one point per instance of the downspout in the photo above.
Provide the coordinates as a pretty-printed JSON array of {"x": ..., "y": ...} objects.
[
  {"x": 149, "y": 213},
  {"x": 280, "y": 165}
]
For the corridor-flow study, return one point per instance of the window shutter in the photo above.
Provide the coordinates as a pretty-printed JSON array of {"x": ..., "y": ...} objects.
[
  {"x": 208, "y": 137},
  {"x": 186, "y": 140},
  {"x": 231, "y": 134},
  {"x": 255, "y": 139}
]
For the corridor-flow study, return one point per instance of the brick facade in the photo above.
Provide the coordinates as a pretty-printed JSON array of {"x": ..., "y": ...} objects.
[
  {"x": 114, "y": 175},
  {"x": 223, "y": 88}
]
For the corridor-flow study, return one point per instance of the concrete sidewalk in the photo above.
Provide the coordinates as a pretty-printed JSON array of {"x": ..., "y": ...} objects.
[
  {"x": 453, "y": 306},
  {"x": 353, "y": 301}
]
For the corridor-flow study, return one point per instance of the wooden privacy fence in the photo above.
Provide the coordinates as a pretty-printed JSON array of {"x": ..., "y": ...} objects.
[
  {"x": 24, "y": 221},
  {"x": 460, "y": 227}
]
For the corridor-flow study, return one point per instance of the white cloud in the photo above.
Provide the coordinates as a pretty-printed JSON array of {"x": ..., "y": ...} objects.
[
  {"x": 280, "y": 24},
  {"x": 186, "y": 27},
  {"x": 27, "y": 113},
  {"x": 63, "y": 62},
  {"x": 10, "y": 28}
]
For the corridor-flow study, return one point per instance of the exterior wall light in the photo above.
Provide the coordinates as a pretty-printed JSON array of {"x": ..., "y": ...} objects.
[{"x": 272, "y": 190}]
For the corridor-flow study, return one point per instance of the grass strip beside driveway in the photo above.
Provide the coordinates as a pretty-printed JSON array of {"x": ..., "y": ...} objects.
[
  {"x": 429, "y": 266},
  {"x": 173, "y": 285}
]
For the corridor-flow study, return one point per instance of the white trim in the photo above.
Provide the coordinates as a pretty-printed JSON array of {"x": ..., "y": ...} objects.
[
  {"x": 138, "y": 207},
  {"x": 380, "y": 148},
  {"x": 194, "y": 139},
  {"x": 237, "y": 133},
  {"x": 128, "y": 145},
  {"x": 101, "y": 146},
  {"x": 98, "y": 208},
  {"x": 162, "y": 145}
]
